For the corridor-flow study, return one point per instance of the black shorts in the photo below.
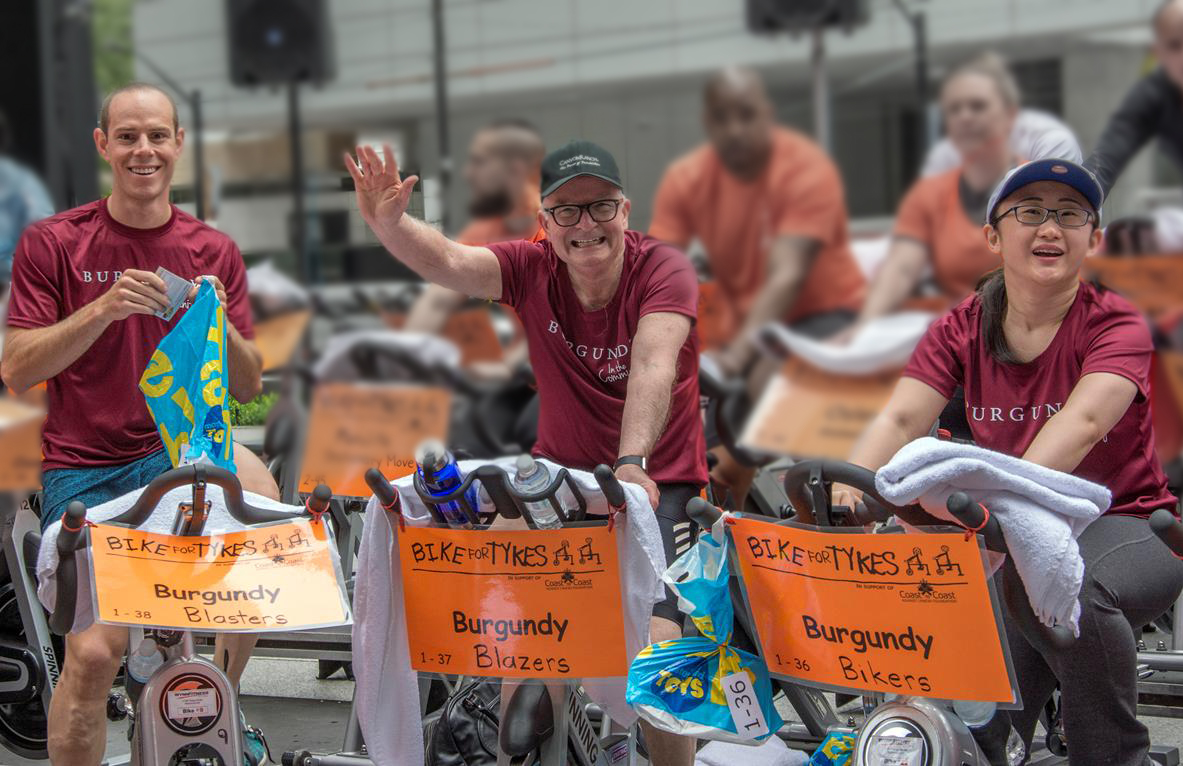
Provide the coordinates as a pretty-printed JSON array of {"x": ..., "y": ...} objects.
[{"x": 678, "y": 533}]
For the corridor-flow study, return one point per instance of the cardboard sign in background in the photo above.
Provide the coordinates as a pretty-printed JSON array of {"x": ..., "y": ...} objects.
[
  {"x": 278, "y": 577},
  {"x": 356, "y": 426},
  {"x": 807, "y": 412},
  {"x": 1153, "y": 283},
  {"x": 278, "y": 337},
  {"x": 20, "y": 446},
  {"x": 472, "y": 332},
  {"x": 519, "y": 604},
  {"x": 903, "y": 614}
]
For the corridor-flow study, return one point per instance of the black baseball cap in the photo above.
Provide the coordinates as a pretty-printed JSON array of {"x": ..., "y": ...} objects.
[{"x": 578, "y": 158}]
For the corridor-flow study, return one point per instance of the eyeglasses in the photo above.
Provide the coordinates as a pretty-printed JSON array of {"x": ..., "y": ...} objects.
[
  {"x": 601, "y": 211},
  {"x": 1034, "y": 215}
]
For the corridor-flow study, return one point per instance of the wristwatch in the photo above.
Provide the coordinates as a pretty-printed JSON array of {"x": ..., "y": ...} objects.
[{"x": 637, "y": 460}]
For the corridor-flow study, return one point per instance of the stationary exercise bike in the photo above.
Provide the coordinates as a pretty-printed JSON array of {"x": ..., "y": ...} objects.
[
  {"x": 30, "y": 655},
  {"x": 187, "y": 712}
]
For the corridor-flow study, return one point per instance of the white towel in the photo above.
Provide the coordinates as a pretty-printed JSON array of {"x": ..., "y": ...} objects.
[
  {"x": 387, "y": 705},
  {"x": 1042, "y": 512},
  {"x": 336, "y": 364},
  {"x": 160, "y": 521},
  {"x": 879, "y": 346},
  {"x": 771, "y": 752}
]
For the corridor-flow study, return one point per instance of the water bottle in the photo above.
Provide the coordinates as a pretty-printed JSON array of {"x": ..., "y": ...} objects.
[
  {"x": 141, "y": 664},
  {"x": 999, "y": 741},
  {"x": 440, "y": 475},
  {"x": 533, "y": 477}
]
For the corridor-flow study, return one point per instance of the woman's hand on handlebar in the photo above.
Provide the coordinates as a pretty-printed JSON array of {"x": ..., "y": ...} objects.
[{"x": 633, "y": 473}]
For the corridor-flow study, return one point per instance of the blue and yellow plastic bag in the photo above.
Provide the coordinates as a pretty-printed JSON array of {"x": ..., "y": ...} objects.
[
  {"x": 185, "y": 386},
  {"x": 684, "y": 686}
]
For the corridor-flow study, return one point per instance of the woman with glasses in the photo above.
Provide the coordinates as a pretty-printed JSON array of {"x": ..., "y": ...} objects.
[{"x": 1057, "y": 371}]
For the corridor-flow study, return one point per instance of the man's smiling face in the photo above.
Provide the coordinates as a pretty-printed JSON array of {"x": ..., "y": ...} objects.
[
  {"x": 141, "y": 144},
  {"x": 587, "y": 243}
]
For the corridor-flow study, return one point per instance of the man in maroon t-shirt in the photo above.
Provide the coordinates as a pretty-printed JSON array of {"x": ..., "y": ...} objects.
[
  {"x": 608, "y": 315},
  {"x": 81, "y": 318}
]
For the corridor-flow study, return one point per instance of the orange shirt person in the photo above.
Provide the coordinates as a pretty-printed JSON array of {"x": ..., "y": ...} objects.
[
  {"x": 938, "y": 226},
  {"x": 502, "y": 171},
  {"x": 769, "y": 207}
]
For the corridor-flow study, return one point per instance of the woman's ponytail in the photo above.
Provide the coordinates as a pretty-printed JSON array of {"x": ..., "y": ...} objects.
[{"x": 992, "y": 297}]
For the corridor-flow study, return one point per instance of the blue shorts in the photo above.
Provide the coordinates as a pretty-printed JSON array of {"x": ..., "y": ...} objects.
[{"x": 96, "y": 485}]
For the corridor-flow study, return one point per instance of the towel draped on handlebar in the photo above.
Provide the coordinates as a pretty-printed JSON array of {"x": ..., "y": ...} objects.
[
  {"x": 1042, "y": 512},
  {"x": 387, "y": 707}
]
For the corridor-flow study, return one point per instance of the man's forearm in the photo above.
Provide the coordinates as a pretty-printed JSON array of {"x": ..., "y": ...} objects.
[
  {"x": 646, "y": 409},
  {"x": 35, "y": 355},
  {"x": 775, "y": 299},
  {"x": 245, "y": 366},
  {"x": 432, "y": 309}
]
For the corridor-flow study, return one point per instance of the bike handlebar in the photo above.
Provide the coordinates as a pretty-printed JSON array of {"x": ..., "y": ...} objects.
[
  {"x": 236, "y": 504},
  {"x": 611, "y": 487},
  {"x": 1168, "y": 529},
  {"x": 70, "y": 538}
]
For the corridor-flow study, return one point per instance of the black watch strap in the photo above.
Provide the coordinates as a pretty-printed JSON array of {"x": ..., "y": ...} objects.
[{"x": 638, "y": 460}]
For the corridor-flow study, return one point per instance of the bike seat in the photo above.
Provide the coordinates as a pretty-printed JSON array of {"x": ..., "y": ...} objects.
[{"x": 529, "y": 719}]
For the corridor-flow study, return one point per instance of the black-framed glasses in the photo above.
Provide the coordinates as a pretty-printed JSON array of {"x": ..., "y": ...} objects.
[
  {"x": 601, "y": 211},
  {"x": 1034, "y": 215}
]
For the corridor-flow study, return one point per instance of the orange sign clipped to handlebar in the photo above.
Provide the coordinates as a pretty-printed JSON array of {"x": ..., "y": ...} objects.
[
  {"x": 519, "y": 603},
  {"x": 902, "y": 614},
  {"x": 356, "y": 426},
  {"x": 277, "y": 577}
]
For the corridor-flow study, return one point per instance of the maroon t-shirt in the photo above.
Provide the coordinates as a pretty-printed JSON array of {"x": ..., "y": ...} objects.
[
  {"x": 97, "y": 415},
  {"x": 582, "y": 358},
  {"x": 1007, "y": 404}
]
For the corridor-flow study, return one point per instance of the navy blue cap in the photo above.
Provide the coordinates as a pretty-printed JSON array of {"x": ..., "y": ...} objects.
[{"x": 1061, "y": 171}]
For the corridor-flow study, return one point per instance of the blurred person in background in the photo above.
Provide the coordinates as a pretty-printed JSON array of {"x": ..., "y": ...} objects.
[
  {"x": 1153, "y": 108},
  {"x": 23, "y": 200},
  {"x": 502, "y": 172},
  {"x": 769, "y": 208},
  {"x": 1036, "y": 135},
  {"x": 938, "y": 227}
]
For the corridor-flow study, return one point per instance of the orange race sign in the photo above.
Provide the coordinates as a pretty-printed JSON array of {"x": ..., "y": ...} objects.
[
  {"x": 278, "y": 337},
  {"x": 356, "y": 426},
  {"x": 806, "y": 411},
  {"x": 903, "y": 614},
  {"x": 20, "y": 446},
  {"x": 1153, "y": 283},
  {"x": 472, "y": 332},
  {"x": 278, "y": 577},
  {"x": 520, "y": 603}
]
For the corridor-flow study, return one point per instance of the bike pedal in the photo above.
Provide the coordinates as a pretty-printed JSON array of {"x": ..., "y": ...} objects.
[
  {"x": 118, "y": 707},
  {"x": 1164, "y": 755}
]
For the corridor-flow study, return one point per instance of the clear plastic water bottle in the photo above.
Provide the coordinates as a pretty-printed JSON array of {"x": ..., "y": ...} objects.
[
  {"x": 440, "y": 474},
  {"x": 533, "y": 477},
  {"x": 995, "y": 735},
  {"x": 144, "y": 661}
]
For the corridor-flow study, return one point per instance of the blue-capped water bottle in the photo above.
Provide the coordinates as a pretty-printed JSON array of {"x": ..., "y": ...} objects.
[{"x": 440, "y": 475}]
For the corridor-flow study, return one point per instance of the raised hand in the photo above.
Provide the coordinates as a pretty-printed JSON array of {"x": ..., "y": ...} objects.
[{"x": 382, "y": 197}]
